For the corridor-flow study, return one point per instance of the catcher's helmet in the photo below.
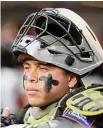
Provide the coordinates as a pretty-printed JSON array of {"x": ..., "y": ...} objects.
[{"x": 60, "y": 37}]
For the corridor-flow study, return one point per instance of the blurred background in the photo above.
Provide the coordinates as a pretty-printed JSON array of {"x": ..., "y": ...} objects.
[{"x": 13, "y": 15}]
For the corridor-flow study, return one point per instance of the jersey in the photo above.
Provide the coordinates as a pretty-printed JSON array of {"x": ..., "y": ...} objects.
[{"x": 82, "y": 108}]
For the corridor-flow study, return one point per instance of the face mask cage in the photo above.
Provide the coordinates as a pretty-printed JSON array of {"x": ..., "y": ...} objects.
[{"x": 45, "y": 23}]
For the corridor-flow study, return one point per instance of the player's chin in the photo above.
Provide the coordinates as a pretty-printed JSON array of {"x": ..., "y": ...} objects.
[{"x": 36, "y": 102}]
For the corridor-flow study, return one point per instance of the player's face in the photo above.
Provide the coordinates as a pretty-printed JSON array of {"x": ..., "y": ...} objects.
[{"x": 35, "y": 88}]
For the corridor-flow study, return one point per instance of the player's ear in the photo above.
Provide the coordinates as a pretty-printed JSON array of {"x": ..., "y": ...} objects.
[{"x": 72, "y": 81}]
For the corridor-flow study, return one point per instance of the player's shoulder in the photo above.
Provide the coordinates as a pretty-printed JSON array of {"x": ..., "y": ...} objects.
[
  {"x": 84, "y": 104},
  {"x": 87, "y": 101}
]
